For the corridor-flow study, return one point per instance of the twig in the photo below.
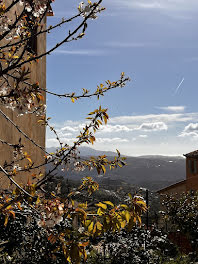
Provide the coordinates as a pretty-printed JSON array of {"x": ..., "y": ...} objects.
[
  {"x": 56, "y": 46},
  {"x": 23, "y": 133},
  {"x": 15, "y": 183}
]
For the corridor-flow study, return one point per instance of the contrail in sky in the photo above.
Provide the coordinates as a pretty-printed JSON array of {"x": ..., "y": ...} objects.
[{"x": 176, "y": 90}]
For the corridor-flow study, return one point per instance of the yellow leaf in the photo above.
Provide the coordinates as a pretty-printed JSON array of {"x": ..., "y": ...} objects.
[
  {"x": 109, "y": 203},
  {"x": 81, "y": 35},
  {"x": 92, "y": 139},
  {"x": 85, "y": 255},
  {"x": 6, "y": 220},
  {"x": 139, "y": 219},
  {"x": 123, "y": 224},
  {"x": 100, "y": 211},
  {"x": 130, "y": 196},
  {"x": 105, "y": 119},
  {"x": 83, "y": 205},
  {"x": 37, "y": 200},
  {"x": 87, "y": 222},
  {"x": 102, "y": 205},
  {"x": 108, "y": 219},
  {"x": 12, "y": 213},
  {"x": 73, "y": 100},
  {"x": 99, "y": 226},
  {"x": 94, "y": 229},
  {"x": 118, "y": 152},
  {"x": 103, "y": 168},
  {"x": 29, "y": 160},
  {"x": 19, "y": 206},
  {"x": 127, "y": 215},
  {"x": 90, "y": 227},
  {"x": 124, "y": 206},
  {"x": 8, "y": 207},
  {"x": 84, "y": 244},
  {"x": 80, "y": 210},
  {"x": 69, "y": 259},
  {"x": 141, "y": 202}
]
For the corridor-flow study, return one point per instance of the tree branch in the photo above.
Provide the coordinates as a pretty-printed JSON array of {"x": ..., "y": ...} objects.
[{"x": 15, "y": 183}]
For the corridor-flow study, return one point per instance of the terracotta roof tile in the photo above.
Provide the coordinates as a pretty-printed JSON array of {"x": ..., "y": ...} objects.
[{"x": 193, "y": 154}]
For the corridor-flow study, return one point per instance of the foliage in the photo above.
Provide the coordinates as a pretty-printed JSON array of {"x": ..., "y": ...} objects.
[
  {"x": 137, "y": 246},
  {"x": 181, "y": 212},
  {"x": 56, "y": 228},
  {"x": 180, "y": 260},
  {"x": 23, "y": 241},
  {"x": 39, "y": 226}
]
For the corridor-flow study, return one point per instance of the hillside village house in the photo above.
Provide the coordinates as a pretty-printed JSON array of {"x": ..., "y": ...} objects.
[
  {"x": 28, "y": 122},
  {"x": 191, "y": 181}
]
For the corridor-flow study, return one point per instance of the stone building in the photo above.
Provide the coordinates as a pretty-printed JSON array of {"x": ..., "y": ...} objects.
[
  {"x": 191, "y": 181},
  {"x": 28, "y": 123}
]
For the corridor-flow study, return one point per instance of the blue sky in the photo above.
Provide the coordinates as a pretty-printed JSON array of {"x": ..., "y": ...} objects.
[{"x": 155, "y": 43}]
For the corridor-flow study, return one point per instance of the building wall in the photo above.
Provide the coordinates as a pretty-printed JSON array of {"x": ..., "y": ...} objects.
[
  {"x": 191, "y": 174},
  {"x": 192, "y": 183},
  {"x": 28, "y": 123},
  {"x": 174, "y": 189},
  {"x": 191, "y": 167}
]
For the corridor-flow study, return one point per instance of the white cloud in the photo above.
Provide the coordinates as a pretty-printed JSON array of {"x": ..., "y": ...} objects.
[
  {"x": 87, "y": 52},
  {"x": 192, "y": 127},
  {"x": 193, "y": 135},
  {"x": 158, "y": 126},
  {"x": 127, "y": 133},
  {"x": 165, "y": 5},
  {"x": 114, "y": 129},
  {"x": 69, "y": 128},
  {"x": 52, "y": 142},
  {"x": 115, "y": 44},
  {"x": 191, "y": 130},
  {"x": 111, "y": 140},
  {"x": 180, "y": 108},
  {"x": 65, "y": 134},
  {"x": 143, "y": 136},
  {"x": 166, "y": 118},
  {"x": 130, "y": 122}
]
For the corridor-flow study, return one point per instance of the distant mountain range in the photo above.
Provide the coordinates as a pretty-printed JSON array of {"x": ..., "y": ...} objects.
[
  {"x": 86, "y": 151},
  {"x": 151, "y": 171}
]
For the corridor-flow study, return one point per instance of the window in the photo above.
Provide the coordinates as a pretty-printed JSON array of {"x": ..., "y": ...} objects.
[
  {"x": 192, "y": 166},
  {"x": 32, "y": 28},
  {"x": 32, "y": 42}
]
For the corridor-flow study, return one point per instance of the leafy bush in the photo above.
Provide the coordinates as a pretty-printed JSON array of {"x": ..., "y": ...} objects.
[
  {"x": 182, "y": 216},
  {"x": 24, "y": 241},
  {"x": 137, "y": 246}
]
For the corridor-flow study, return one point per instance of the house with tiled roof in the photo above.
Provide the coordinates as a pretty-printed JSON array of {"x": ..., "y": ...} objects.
[{"x": 191, "y": 181}]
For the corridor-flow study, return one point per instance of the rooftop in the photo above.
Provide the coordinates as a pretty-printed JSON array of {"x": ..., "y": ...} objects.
[
  {"x": 172, "y": 186},
  {"x": 193, "y": 154}
]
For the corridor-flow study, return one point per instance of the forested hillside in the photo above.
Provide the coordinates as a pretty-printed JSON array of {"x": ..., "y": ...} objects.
[{"x": 153, "y": 172}]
